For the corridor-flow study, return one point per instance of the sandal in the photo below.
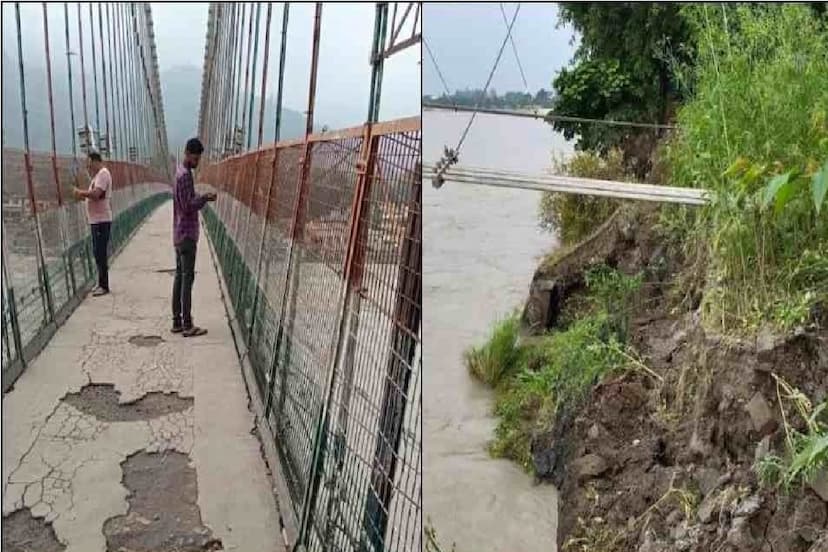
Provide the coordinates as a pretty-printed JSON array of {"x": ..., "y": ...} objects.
[{"x": 195, "y": 331}]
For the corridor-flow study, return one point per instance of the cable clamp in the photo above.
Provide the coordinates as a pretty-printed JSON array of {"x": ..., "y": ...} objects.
[{"x": 449, "y": 158}]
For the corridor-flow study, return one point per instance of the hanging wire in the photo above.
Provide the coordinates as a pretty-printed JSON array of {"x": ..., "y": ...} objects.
[
  {"x": 253, "y": 77},
  {"x": 514, "y": 48},
  {"x": 489, "y": 80},
  {"x": 264, "y": 72},
  {"x": 94, "y": 73},
  {"x": 451, "y": 156},
  {"x": 105, "y": 92},
  {"x": 71, "y": 88},
  {"x": 83, "y": 78},
  {"x": 247, "y": 67},
  {"x": 115, "y": 137},
  {"x": 437, "y": 66}
]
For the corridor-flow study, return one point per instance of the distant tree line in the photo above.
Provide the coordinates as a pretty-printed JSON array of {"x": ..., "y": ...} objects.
[{"x": 509, "y": 100}]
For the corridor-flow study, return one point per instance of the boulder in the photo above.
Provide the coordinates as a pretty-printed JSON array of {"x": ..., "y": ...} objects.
[
  {"x": 820, "y": 485},
  {"x": 589, "y": 466},
  {"x": 761, "y": 415}
]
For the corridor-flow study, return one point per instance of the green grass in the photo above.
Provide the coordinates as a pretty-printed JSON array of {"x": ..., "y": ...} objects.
[
  {"x": 534, "y": 380},
  {"x": 806, "y": 452},
  {"x": 755, "y": 132},
  {"x": 499, "y": 356}
]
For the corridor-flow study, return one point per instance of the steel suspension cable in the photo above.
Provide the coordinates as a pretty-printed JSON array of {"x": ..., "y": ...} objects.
[
  {"x": 237, "y": 92},
  {"x": 264, "y": 72},
  {"x": 437, "y": 67},
  {"x": 71, "y": 88},
  {"x": 253, "y": 77},
  {"x": 488, "y": 81},
  {"x": 273, "y": 168},
  {"x": 95, "y": 76},
  {"x": 514, "y": 47},
  {"x": 105, "y": 92},
  {"x": 133, "y": 83},
  {"x": 83, "y": 80},
  {"x": 115, "y": 138},
  {"x": 42, "y": 271}
]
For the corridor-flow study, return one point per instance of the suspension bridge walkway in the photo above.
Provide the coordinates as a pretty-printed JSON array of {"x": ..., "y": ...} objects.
[{"x": 294, "y": 424}]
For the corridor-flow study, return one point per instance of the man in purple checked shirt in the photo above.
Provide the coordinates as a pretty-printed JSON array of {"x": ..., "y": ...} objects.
[{"x": 186, "y": 205}]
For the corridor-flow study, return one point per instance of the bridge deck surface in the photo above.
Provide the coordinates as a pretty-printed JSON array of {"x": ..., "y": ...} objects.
[{"x": 70, "y": 438}]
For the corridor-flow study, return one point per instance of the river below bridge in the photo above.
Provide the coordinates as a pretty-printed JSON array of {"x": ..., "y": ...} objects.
[{"x": 480, "y": 248}]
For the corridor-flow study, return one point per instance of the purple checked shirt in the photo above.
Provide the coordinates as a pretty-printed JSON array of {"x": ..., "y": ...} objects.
[{"x": 186, "y": 205}]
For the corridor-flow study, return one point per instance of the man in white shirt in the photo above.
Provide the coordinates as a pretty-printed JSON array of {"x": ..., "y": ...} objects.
[{"x": 99, "y": 213}]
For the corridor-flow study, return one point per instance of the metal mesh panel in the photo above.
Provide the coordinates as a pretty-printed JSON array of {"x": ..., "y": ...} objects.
[
  {"x": 333, "y": 300},
  {"x": 47, "y": 258}
]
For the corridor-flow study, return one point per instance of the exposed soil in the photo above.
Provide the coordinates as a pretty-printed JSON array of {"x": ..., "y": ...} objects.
[
  {"x": 163, "y": 511},
  {"x": 657, "y": 464},
  {"x": 23, "y": 532},
  {"x": 101, "y": 401}
]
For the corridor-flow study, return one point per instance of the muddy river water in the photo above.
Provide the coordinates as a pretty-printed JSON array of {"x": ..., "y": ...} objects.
[{"x": 480, "y": 248}]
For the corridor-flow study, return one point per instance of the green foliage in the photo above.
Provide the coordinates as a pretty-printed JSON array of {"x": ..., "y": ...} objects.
[
  {"x": 573, "y": 216},
  {"x": 509, "y": 100},
  {"x": 806, "y": 454},
  {"x": 755, "y": 133},
  {"x": 540, "y": 377},
  {"x": 622, "y": 68}
]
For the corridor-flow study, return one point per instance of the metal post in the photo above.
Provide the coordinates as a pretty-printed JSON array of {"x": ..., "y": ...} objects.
[
  {"x": 43, "y": 272},
  {"x": 353, "y": 269},
  {"x": 297, "y": 231},
  {"x": 377, "y": 61},
  {"x": 398, "y": 376},
  {"x": 274, "y": 168},
  {"x": 69, "y": 269},
  {"x": 247, "y": 65},
  {"x": 15, "y": 321}
]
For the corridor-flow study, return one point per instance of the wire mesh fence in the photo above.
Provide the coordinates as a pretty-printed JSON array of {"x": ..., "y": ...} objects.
[
  {"x": 319, "y": 244},
  {"x": 47, "y": 257}
]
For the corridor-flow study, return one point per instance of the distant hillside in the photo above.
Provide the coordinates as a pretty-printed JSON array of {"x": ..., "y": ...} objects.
[{"x": 181, "y": 89}]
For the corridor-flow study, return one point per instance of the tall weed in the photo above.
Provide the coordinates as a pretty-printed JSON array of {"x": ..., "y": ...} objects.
[{"x": 755, "y": 133}]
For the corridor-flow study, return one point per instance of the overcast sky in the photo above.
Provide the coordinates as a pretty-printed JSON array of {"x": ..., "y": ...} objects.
[
  {"x": 344, "y": 76},
  {"x": 465, "y": 39},
  {"x": 180, "y": 30}
]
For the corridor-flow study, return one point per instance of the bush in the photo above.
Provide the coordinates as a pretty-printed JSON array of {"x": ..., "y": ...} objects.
[
  {"x": 755, "y": 133},
  {"x": 573, "y": 216}
]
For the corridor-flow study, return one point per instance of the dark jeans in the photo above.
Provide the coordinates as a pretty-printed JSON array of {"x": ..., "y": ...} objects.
[
  {"x": 185, "y": 255},
  {"x": 100, "y": 248}
]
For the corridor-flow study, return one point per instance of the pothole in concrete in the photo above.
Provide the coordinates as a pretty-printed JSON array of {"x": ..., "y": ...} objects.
[
  {"x": 146, "y": 340},
  {"x": 101, "y": 401},
  {"x": 163, "y": 513},
  {"x": 22, "y": 532}
]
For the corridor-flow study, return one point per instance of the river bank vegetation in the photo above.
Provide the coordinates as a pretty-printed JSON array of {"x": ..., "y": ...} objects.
[{"x": 687, "y": 368}]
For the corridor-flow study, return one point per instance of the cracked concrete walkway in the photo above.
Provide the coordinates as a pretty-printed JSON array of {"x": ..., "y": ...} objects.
[{"x": 65, "y": 465}]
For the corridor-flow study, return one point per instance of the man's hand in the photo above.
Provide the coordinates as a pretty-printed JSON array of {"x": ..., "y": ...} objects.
[
  {"x": 78, "y": 193},
  {"x": 210, "y": 196}
]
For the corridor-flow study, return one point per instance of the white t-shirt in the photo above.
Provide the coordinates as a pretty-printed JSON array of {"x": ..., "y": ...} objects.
[{"x": 99, "y": 210}]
